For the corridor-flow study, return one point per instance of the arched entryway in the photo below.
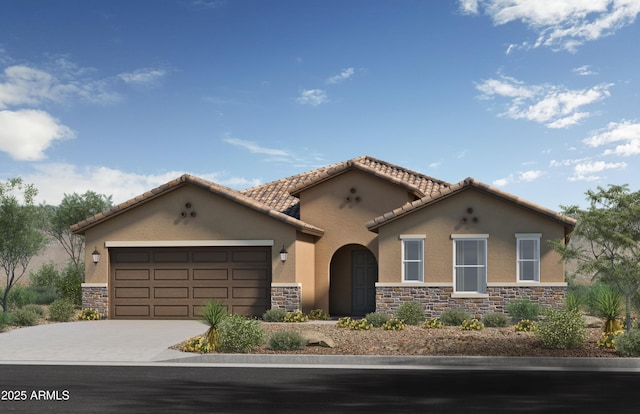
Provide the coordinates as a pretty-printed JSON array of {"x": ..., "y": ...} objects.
[{"x": 353, "y": 277}]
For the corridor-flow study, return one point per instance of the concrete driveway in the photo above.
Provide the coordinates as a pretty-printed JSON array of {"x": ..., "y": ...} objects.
[{"x": 98, "y": 341}]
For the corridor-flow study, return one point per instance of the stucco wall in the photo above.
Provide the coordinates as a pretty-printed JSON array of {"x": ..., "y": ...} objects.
[
  {"x": 499, "y": 219},
  {"x": 342, "y": 213},
  {"x": 304, "y": 264},
  {"x": 216, "y": 218}
]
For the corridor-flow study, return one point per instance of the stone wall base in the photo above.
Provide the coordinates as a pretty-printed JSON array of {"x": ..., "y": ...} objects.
[
  {"x": 96, "y": 297},
  {"x": 288, "y": 298},
  {"x": 437, "y": 299}
]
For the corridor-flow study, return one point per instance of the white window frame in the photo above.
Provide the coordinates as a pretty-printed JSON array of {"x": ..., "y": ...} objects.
[
  {"x": 470, "y": 237},
  {"x": 529, "y": 237},
  {"x": 412, "y": 238}
]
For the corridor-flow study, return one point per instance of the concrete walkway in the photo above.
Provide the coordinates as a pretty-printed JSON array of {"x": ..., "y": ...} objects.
[{"x": 118, "y": 342}]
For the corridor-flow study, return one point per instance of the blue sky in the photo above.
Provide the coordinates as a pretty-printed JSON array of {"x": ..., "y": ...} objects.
[{"x": 537, "y": 97}]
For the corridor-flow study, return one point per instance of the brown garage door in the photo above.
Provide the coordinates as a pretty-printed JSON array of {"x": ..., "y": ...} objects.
[{"x": 172, "y": 283}]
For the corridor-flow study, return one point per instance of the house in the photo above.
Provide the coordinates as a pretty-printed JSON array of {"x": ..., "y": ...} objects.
[{"x": 349, "y": 238}]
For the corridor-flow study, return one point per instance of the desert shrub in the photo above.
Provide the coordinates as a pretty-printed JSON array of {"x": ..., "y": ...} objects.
[
  {"x": 212, "y": 314},
  {"x": 69, "y": 286},
  {"x": 286, "y": 341},
  {"x": 89, "y": 314},
  {"x": 197, "y": 344},
  {"x": 432, "y": 323},
  {"x": 44, "y": 295},
  {"x": 523, "y": 309},
  {"x": 454, "y": 317},
  {"x": 5, "y": 318},
  {"x": 239, "y": 334},
  {"x": 61, "y": 310},
  {"x": 411, "y": 313},
  {"x": 628, "y": 344},
  {"x": 274, "y": 315},
  {"x": 20, "y": 296},
  {"x": 394, "y": 324},
  {"x": 607, "y": 304},
  {"x": 377, "y": 319},
  {"x": 526, "y": 325},
  {"x": 46, "y": 276},
  {"x": 562, "y": 329},
  {"x": 360, "y": 325},
  {"x": 37, "y": 309},
  {"x": 608, "y": 340},
  {"x": 495, "y": 320},
  {"x": 318, "y": 315},
  {"x": 24, "y": 317},
  {"x": 344, "y": 322},
  {"x": 573, "y": 301},
  {"x": 471, "y": 325},
  {"x": 296, "y": 316}
]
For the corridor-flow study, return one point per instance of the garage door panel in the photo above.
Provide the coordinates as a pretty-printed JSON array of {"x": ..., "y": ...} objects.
[
  {"x": 210, "y": 293},
  {"x": 210, "y": 274},
  {"x": 132, "y": 274},
  {"x": 166, "y": 287},
  {"x": 171, "y": 292},
  {"x": 171, "y": 274}
]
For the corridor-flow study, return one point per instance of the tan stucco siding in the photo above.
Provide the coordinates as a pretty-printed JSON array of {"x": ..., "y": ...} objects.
[
  {"x": 216, "y": 218},
  {"x": 497, "y": 218},
  {"x": 342, "y": 214},
  {"x": 304, "y": 269}
]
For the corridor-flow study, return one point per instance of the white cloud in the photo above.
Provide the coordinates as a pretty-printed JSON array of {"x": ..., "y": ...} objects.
[
  {"x": 586, "y": 171},
  {"x": 501, "y": 182},
  {"x": 255, "y": 148},
  {"x": 626, "y": 132},
  {"x": 560, "y": 24},
  {"x": 521, "y": 177},
  {"x": 143, "y": 77},
  {"x": 554, "y": 106},
  {"x": 342, "y": 76},
  {"x": 313, "y": 97},
  {"x": 27, "y": 133},
  {"x": 584, "y": 70},
  {"x": 53, "y": 180}
]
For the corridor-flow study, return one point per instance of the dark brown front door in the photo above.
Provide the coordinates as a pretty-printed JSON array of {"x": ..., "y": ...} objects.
[
  {"x": 172, "y": 283},
  {"x": 364, "y": 276}
]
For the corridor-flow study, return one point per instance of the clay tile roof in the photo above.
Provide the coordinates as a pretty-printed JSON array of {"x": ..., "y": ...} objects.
[
  {"x": 282, "y": 194},
  {"x": 220, "y": 190},
  {"x": 445, "y": 192}
]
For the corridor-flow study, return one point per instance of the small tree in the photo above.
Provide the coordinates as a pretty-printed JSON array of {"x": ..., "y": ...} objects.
[
  {"x": 608, "y": 240},
  {"x": 20, "y": 238},
  {"x": 73, "y": 209}
]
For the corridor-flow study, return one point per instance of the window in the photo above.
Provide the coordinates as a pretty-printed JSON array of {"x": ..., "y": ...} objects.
[
  {"x": 470, "y": 263},
  {"x": 412, "y": 258},
  {"x": 528, "y": 247}
]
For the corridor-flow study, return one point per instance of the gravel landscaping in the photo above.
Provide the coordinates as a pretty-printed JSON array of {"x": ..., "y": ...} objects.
[{"x": 415, "y": 340}]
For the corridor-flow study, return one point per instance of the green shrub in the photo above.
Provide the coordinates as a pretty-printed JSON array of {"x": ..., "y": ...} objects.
[
  {"x": 44, "y": 295},
  {"x": 318, "y": 315},
  {"x": 37, "y": 309},
  {"x": 47, "y": 276},
  {"x": 24, "y": 317},
  {"x": 608, "y": 340},
  {"x": 471, "y": 325},
  {"x": 562, "y": 329},
  {"x": 394, "y": 324},
  {"x": 432, "y": 323},
  {"x": 377, "y": 319},
  {"x": 213, "y": 313},
  {"x": 629, "y": 343},
  {"x": 89, "y": 314},
  {"x": 523, "y": 309},
  {"x": 495, "y": 320},
  {"x": 239, "y": 334},
  {"x": 69, "y": 286},
  {"x": 5, "y": 318},
  {"x": 286, "y": 341},
  {"x": 573, "y": 301},
  {"x": 344, "y": 322},
  {"x": 360, "y": 325},
  {"x": 607, "y": 304},
  {"x": 61, "y": 310},
  {"x": 20, "y": 296},
  {"x": 411, "y": 313},
  {"x": 526, "y": 325},
  {"x": 274, "y": 315},
  {"x": 197, "y": 344},
  {"x": 454, "y": 317},
  {"x": 296, "y": 316}
]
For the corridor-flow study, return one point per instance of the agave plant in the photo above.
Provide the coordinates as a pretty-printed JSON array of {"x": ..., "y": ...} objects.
[
  {"x": 213, "y": 312},
  {"x": 608, "y": 305}
]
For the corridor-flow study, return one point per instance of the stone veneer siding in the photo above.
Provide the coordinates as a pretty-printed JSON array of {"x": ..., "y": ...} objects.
[
  {"x": 437, "y": 299},
  {"x": 96, "y": 297},
  {"x": 286, "y": 297}
]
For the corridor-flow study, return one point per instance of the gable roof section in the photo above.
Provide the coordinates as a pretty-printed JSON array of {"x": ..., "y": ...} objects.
[
  {"x": 435, "y": 197},
  {"x": 214, "y": 188},
  {"x": 282, "y": 194}
]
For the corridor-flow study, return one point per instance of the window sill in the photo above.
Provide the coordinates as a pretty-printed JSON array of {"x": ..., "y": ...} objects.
[{"x": 469, "y": 295}]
